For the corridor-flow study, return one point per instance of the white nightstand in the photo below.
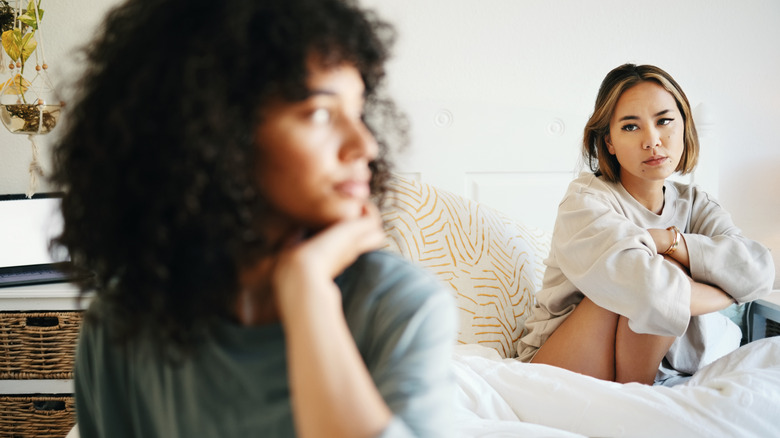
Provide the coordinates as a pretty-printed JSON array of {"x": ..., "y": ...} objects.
[
  {"x": 763, "y": 314},
  {"x": 52, "y": 296},
  {"x": 56, "y": 297},
  {"x": 32, "y": 403}
]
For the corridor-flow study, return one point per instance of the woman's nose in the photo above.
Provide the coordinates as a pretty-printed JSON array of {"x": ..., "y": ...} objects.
[
  {"x": 359, "y": 142},
  {"x": 652, "y": 139}
]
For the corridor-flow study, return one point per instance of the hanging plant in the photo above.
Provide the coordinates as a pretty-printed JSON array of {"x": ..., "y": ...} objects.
[
  {"x": 28, "y": 102},
  {"x": 7, "y": 16},
  {"x": 19, "y": 43},
  {"x": 27, "y": 106}
]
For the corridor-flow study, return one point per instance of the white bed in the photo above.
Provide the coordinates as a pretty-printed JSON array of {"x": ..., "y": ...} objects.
[
  {"x": 738, "y": 395},
  {"x": 494, "y": 265}
]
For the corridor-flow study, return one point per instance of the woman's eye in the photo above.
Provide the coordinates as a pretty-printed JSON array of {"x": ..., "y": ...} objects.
[
  {"x": 665, "y": 121},
  {"x": 321, "y": 116},
  {"x": 630, "y": 127}
]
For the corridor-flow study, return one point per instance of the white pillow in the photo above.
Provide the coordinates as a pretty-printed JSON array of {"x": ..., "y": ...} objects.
[{"x": 493, "y": 264}]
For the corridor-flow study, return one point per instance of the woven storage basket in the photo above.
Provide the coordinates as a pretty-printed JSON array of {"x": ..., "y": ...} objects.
[
  {"x": 23, "y": 416},
  {"x": 38, "y": 345}
]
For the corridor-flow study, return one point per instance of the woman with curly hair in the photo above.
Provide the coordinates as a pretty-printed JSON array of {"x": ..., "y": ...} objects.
[{"x": 221, "y": 166}]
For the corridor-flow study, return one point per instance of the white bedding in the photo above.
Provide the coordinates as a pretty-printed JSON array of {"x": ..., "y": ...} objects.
[{"x": 738, "y": 395}]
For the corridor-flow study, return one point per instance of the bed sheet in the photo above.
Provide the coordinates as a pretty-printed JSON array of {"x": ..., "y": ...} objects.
[{"x": 737, "y": 395}]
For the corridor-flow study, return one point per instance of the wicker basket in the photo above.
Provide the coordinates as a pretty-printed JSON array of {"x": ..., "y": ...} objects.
[
  {"x": 23, "y": 416},
  {"x": 39, "y": 345}
]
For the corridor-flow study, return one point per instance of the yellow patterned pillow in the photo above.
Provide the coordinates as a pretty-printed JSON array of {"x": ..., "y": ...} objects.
[{"x": 493, "y": 264}]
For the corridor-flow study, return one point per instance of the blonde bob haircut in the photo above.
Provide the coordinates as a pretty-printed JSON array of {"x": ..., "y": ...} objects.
[{"x": 594, "y": 145}]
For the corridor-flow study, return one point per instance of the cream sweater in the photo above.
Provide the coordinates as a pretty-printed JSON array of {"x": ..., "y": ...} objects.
[{"x": 601, "y": 248}]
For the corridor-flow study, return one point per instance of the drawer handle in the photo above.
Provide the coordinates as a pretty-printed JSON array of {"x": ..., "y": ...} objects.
[
  {"x": 42, "y": 321},
  {"x": 48, "y": 405}
]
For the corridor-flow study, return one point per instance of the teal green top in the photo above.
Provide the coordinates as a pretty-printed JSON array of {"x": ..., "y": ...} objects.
[{"x": 235, "y": 385}]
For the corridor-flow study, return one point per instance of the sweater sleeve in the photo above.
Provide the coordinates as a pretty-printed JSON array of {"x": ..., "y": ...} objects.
[
  {"x": 614, "y": 262},
  {"x": 720, "y": 255}
]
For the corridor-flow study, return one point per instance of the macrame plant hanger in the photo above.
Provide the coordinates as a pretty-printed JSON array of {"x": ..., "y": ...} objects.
[{"x": 28, "y": 107}]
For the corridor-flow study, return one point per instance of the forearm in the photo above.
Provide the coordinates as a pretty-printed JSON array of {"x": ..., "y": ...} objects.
[
  {"x": 708, "y": 299},
  {"x": 663, "y": 241},
  {"x": 332, "y": 391},
  {"x": 705, "y": 298}
]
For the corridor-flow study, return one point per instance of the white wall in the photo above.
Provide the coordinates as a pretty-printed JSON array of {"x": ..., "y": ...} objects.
[
  {"x": 552, "y": 55},
  {"x": 522, "y": 57}
]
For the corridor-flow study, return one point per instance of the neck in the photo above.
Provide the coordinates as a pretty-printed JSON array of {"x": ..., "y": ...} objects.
[
  {"x": 256, "y": 306},
  {"x": 256, "y": 303},
  {"x": 649, "y": 194}
]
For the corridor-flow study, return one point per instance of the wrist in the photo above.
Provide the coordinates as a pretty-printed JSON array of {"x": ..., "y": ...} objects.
[
  {"x": 308, "y": 301},
  {"x": 676, "y": 235}
]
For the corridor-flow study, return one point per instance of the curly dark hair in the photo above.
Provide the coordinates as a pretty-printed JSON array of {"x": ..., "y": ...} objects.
[{"x": 157, "y": 160}]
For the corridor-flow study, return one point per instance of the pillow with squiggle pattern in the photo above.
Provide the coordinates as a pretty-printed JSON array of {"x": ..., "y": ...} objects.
[{"x": 493, "y": 264}]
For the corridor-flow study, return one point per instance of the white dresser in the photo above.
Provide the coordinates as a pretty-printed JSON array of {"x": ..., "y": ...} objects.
[{"x": 38, "y": 330}]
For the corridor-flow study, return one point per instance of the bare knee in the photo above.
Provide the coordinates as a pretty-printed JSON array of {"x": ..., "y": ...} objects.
[
  {"x": 638, "y": 355},
  {"x": 584, "y": 342}
]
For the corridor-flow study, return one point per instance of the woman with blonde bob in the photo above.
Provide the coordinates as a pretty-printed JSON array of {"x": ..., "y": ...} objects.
[{"x": 640, "y": 265}]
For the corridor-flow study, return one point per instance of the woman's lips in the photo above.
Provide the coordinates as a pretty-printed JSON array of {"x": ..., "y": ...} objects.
[
  {"x": 655, "y": 161},
  {"x": 354, "y": 189}
]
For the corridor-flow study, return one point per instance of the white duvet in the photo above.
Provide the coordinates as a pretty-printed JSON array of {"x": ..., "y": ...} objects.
[{"x": 738, "y": 395}]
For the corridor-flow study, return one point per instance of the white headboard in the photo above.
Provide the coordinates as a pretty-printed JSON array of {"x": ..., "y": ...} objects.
[{"x": 518, "y": 160}]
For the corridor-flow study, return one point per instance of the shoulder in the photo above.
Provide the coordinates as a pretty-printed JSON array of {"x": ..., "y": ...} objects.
[
  {"x": 592, "y": 193},
  {"x": 383, "y": 276},
  {"x": 696, "y": 203},
  {"x": 590, "y": 185},
  {"x": 385, "y": 292},
  {"x": 690, "y": 192},
  {"x": 93, "y": 331},
  {"x": 101, "y": 342},
  {"x": 588, "y": 182},
  {"x": 98, "y": 353}
]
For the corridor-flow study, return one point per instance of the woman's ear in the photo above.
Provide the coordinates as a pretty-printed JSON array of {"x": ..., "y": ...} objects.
[{"x": 608, "y": 142}]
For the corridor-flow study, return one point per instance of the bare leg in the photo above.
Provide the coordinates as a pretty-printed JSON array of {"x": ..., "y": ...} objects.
[
  {"x": 599, "y": 343},
  {"x": 584, "y": 343},
  {"x": 637, "y": 356}
]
